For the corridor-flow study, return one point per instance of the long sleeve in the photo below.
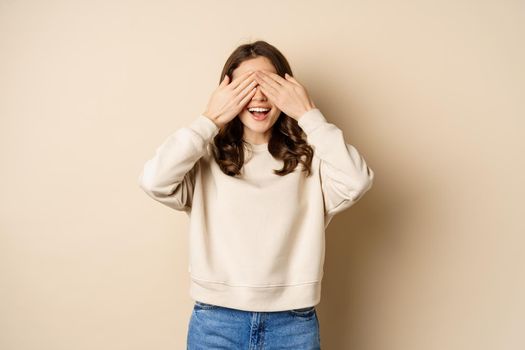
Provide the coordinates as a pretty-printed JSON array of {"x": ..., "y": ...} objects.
[
  {"x": 169, "y": 177},
  {"x": 345, "y": 176}
]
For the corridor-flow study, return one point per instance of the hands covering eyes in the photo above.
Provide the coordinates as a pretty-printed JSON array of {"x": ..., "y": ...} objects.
[
  {"x": 286, "y": 93},
  {"x": 229, "y": 99}
]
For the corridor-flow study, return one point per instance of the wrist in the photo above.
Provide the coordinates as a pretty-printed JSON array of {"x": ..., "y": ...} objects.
[
  {"x": 307, "y": 109},
  {"x": 213, "y": 118}
]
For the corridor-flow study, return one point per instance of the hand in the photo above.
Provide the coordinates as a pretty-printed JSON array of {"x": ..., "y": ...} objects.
[
  {"x": 229, "y": 99},
  {"x": 286, "y": 93}
]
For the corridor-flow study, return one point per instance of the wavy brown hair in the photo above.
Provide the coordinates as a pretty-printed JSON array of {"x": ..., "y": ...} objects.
[{"x": 287, "y": 139}]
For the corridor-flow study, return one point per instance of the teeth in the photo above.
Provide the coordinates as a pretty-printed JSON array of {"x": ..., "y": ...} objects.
[{"x": 258, "y": 109}]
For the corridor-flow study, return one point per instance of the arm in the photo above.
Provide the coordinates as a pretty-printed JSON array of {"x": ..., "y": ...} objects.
[
  {"x": 169, "y": 177},
  {"x": 345, "y": 176}
]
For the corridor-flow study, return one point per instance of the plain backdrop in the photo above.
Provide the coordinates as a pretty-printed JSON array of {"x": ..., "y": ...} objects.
[{"x": 430, "y": 92}]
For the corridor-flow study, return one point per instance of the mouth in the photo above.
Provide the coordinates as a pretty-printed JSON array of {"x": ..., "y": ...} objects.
[{"x": 259, "y": 114}]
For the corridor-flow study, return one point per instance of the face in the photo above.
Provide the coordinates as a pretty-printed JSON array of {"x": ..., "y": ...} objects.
[{"x": 257, "y": 130}]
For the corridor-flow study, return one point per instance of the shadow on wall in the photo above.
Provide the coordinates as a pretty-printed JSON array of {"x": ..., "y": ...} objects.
[{"x": 360, "y": 249}]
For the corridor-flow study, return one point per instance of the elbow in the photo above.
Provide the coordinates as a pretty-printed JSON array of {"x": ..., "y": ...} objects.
[
  {"x": 147, "y": 184},
  {"x": 363, "y": 185},
  {"x": 170, "y": 196},
  {"x": 362, "y": 175},
  {"x": 368, "y": 179},
  {"x": 153, "y": 191},
  {"x": 172, "y": 200},
  {"x": 149, "y": 190}
]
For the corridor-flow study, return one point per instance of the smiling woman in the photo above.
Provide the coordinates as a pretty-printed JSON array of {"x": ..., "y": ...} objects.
[
  {"x": 260, "y": 63},
  {"x": 254, "y": 130},
  {"x": 257, "y": 232}
]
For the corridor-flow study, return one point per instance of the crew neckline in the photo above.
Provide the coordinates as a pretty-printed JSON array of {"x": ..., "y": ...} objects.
[{"x": 258, "y": 147}]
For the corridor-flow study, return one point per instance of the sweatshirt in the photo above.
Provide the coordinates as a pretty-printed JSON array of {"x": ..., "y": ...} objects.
[{"x": 256, "y": 241}]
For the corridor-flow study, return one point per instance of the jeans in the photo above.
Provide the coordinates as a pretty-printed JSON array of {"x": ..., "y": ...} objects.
[{"x": 217, "y": 327}]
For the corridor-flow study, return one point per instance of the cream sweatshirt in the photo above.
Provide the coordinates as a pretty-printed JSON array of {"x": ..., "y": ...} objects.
[{"x": 256, "y": 242}]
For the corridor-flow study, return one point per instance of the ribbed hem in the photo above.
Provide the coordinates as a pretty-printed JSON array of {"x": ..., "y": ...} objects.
[
  {"x": 273, "y": 298},
  {"x": 310, "y": 120},
  {"x": 205, "y": 127}
]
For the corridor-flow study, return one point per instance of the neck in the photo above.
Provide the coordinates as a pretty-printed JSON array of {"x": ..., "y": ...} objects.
[{"x": 257, "y": 138}]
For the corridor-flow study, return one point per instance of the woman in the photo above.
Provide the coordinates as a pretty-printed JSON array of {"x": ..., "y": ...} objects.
[{"x": 260, "y": 173}]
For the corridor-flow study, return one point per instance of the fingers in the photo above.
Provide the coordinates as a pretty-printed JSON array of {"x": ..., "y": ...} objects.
[
  {"x": 268, "y": 85},
  {"x": 240, "y": 79},
  {"x": 244, "y": 88},
  {"x": 292, "y": 79},
  {"x": 275, "y": 77},
  {"x": 271, "y": 94},
  {"x": 248, "y": 97},
  {"x": 225, "y": 80}
]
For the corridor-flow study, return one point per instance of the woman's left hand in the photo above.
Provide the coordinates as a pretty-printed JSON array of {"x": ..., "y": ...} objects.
[{"x": 286, "y": 93}]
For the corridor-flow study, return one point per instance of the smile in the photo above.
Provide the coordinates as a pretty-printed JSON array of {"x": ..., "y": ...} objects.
[{"x": 259, "y": 114}]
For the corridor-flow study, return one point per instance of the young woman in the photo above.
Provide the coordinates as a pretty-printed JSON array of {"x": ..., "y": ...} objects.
[{"x": 260, "y": 173}]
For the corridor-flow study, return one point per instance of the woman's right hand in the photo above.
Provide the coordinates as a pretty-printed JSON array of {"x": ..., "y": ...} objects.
[{"x": 228, "y": 100}]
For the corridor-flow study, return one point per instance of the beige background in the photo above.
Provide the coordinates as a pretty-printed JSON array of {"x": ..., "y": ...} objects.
[{"x": 431, "y": 93}]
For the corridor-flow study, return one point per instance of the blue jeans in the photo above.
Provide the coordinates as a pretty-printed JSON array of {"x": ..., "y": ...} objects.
[{"x": 216, "y": 327}]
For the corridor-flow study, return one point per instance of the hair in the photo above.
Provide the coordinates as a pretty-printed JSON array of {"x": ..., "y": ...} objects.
[{"x": 287, "y": 140}]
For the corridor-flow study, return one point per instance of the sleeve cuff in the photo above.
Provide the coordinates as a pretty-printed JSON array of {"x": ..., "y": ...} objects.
[
  {"x": 205, "y": 127},
  {"x": 311, "y": 119}
]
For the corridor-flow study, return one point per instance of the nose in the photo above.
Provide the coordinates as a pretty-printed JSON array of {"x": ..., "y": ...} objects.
[{"x": 259, "y": 94}]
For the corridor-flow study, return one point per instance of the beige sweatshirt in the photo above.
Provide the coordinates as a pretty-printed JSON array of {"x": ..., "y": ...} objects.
[{"x": 256, "y": 242}]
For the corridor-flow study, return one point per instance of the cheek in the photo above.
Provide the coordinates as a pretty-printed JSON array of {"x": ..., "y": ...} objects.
[
  {"x": 244, "y": 116},
  {"x": 244, "y": 113}
]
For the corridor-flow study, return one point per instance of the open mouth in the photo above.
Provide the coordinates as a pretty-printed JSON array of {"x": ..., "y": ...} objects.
[{"x": 259, "y": 113}]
